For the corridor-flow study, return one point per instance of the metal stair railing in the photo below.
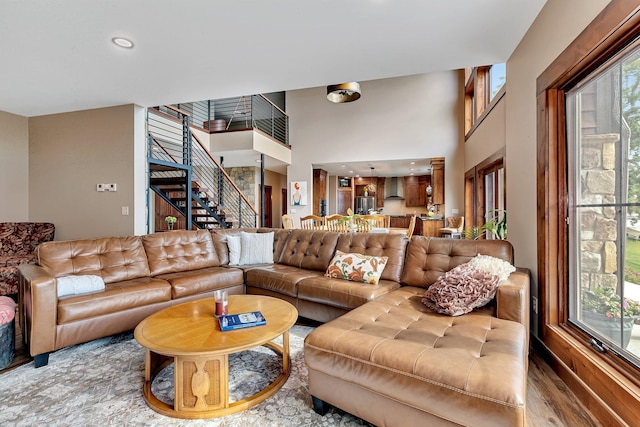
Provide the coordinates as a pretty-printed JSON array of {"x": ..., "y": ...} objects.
[
  {"x": 168, "y": 143},
  {"x": 241, "y": 113},
  {"x": 231, "y": 200}
]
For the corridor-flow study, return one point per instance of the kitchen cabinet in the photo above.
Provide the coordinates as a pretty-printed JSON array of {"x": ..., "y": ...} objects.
[
  {"x": 399, "y": 221},
  {"x": 344, "y": 196},
  {"x": 364, "y": 182},
  {"x": 380, "y": 192},
  {"x": 415, "y": 190},
  {"x": 418, "y": 228},
  {"x": 437, "y": 180},
  {"x": 319, "y": 190},
  {"x": 431, "y": 227}
]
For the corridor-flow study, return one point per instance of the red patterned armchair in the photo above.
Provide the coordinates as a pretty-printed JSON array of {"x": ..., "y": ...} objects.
[{"x": 18, "y": 242}]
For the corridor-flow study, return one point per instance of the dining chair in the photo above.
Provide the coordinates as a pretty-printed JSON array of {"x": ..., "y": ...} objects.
[
  {"x": 455, "y": 225},
  {"x": 363, "y": 225},
  {"x": 377, "y": 221},
  {"x": 412, "y": 226},
  {"x": 287, "y": 222},
  {"x": 336, "y": 222},
  {"x": 312, "y": 222}
]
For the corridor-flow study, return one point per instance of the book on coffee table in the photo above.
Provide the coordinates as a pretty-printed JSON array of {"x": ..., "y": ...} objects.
[{"x": 230, "y": 322}]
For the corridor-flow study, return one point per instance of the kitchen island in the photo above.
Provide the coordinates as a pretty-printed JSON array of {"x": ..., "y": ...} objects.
[{"x": 425, "y": 226}]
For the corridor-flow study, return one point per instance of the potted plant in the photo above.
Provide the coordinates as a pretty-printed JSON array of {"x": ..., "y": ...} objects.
[
  {"x": 170, "y": 220},
  {"x": 351, "y": 219},
  {"x": 605, "y": 311},
  {"x": 496, "y": 225}
]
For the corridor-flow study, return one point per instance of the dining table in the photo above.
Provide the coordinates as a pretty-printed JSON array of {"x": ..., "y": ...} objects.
[{"x": 389, "y": 230}]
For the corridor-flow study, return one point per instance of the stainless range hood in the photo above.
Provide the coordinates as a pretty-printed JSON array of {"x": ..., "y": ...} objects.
[{"x": 393, "y": 190}]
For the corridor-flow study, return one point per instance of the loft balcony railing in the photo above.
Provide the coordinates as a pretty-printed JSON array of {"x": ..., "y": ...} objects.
[
  {"x": 240, "y": 113},
  {"x": 171, "y": 143}
]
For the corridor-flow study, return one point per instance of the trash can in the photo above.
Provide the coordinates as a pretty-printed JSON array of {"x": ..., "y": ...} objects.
[{"x": 7, "y": 343}]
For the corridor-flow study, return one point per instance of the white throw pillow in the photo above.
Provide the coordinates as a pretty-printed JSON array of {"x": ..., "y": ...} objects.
[
  {"x": 257, "y": 248},
  {"x": 74, "y": 285},
  {"x": 492, "y": 265},
  {"x": 235, "y": 246}
]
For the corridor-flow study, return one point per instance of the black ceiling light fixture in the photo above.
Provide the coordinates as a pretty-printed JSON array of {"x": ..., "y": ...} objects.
[{"x": 343, "y": 92}]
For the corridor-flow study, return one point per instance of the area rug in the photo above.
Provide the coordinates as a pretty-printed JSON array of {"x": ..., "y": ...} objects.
[{"x": 100, "y": 383}]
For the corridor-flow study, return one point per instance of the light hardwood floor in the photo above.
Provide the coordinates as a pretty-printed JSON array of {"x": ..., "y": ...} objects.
[{"x": 549, "y": 400}]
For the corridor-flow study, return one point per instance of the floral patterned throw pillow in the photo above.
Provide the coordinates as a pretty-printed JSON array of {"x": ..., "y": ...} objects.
[{"x": 356, "y": 267}]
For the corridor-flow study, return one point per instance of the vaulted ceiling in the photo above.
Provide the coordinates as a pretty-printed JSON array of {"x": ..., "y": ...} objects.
[{"x": 58, "y": 56}]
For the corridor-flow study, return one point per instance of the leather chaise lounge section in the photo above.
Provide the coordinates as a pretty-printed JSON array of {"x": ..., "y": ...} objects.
[
  {"x": 394, "y": 362},
  {"x": 382, "y": 355}
]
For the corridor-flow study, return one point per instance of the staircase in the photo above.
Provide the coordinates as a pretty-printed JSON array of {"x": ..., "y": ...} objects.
[
  {"x": 204, "y": 210},
  {"x": 185, "y": 175}
]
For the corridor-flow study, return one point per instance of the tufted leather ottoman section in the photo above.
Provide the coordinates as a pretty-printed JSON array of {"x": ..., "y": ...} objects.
[{"x": 393, "y": 362}]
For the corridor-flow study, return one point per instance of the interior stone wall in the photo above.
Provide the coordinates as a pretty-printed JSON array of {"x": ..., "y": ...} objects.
[
  {"x": 245, "y": 179},
  {"x": 598, "y": 227}
]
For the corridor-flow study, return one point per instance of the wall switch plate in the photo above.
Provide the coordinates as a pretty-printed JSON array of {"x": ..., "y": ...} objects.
[
  {"x": 534, "y": 304},
  {"x": 112, "y": 187},
  {"x": 100, "y": 187},
  {"x": 455, "y": 211},
  {"x": 125, "y": 210}
]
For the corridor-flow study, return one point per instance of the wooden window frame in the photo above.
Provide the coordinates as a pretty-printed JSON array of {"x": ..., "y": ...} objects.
[
  {"x": 477, "y": 97},
  {"x": 475, "y": 197},
  {"x": 606, "y": 384}
]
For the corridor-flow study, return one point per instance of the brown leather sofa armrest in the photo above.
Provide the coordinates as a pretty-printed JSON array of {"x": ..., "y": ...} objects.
[
  {"x": 38, "y": 308},
  {"x": 513, "y": 298}
]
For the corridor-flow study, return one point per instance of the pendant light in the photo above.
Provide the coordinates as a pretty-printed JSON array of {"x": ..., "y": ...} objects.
[
  {"x": 343, "y": 92},
  {"x": 371, "y": 186}
]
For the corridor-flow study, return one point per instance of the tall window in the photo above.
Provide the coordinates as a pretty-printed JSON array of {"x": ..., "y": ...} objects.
[
  {"x": 587, "y": 194},
  {"x": 603, "y": 203},
  {"x": 482, "y": 86},
  {"x": 485, "y": 194}
]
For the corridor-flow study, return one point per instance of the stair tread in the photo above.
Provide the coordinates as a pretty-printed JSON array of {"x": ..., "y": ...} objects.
[{"x": 182, "y": 199}]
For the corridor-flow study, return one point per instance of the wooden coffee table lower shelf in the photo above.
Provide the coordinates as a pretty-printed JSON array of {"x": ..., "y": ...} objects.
[{"x": 188, "y": 335}]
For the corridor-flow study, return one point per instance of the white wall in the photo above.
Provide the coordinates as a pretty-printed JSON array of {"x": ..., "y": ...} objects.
[
  {"x": 72, "y": 152},
  {"x": 557, "y": 25},
  {"x": 400, "y": 118},
  {"x": 14, "y": 168}
]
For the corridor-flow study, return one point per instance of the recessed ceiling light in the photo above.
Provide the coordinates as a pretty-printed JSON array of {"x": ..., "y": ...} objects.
[
  {"x": 258, "y": 161},
  {"x": 411, "y": 173},
  {"x": 122, "y": 42},
  {"x": 412, "y": 163},
  {"x": 342, "y": 166},
  {"x": 411, "y": 169},
  {"x": 350, "y": 171}
]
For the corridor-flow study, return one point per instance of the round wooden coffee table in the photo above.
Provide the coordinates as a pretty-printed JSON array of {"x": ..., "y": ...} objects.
[{"x": 188, "y": 335}]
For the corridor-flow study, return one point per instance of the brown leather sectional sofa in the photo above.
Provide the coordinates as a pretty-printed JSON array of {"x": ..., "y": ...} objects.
[{"x": 382, "y": 355}]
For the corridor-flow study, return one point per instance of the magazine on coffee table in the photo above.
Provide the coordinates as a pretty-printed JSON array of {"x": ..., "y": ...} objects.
[{"x": 230, "y": 322}]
